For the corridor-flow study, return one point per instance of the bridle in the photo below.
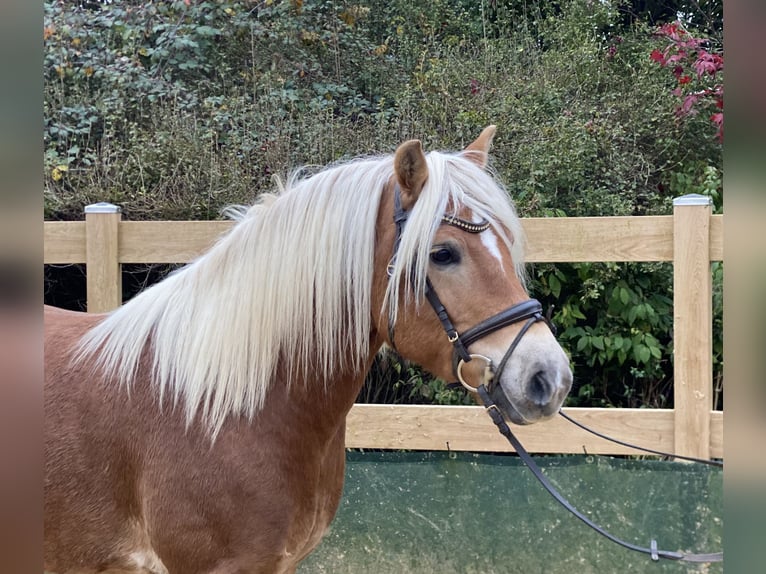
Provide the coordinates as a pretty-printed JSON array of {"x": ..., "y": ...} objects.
[{"x": 529, "y": 311}]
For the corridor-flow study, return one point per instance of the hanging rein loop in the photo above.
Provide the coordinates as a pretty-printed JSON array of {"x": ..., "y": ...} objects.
[{"x": 652, "y": 550}]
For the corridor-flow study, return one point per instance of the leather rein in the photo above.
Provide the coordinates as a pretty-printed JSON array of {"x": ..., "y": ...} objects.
[
  {"x": 530, "y": 312},
  {"x": 653, "y": 551}
]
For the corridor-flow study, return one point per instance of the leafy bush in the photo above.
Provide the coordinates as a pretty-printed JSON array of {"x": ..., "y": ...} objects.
[{"x": 174, "y": 110}]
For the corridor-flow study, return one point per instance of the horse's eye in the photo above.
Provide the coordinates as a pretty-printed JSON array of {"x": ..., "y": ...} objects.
[{"x": 444, "y": 256}]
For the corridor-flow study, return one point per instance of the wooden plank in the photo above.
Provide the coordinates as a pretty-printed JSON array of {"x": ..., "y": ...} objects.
[
  {"x": 468, "y": 428},
  {"x": 716, "y": 237},
  {"x": 63, "y": 242},
  {"x": 593, "y": 239},
  {"x": 692, "y": 326},
  {"x": 168, "y": 241},
  {"x": 550, "y": 239},
  {"x": 104, "y": 274}
]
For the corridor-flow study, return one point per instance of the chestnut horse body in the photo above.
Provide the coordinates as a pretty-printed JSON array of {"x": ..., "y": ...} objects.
[{"x": 200, "y": 427}]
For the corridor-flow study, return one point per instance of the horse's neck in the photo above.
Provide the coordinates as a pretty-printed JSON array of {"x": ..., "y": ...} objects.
[{"x": 311, "y": 406}]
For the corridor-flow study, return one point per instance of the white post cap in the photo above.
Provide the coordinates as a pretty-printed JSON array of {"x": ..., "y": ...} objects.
[
  {"x": 102, "y": 207},
  {"x": 692, "y": 199}
]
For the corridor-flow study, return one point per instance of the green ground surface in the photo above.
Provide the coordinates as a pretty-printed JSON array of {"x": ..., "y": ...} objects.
[{"x": 467, "y": 513}]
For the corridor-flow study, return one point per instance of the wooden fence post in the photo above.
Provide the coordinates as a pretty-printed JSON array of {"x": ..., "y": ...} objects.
[
  {"x": 692, "y": 325},
  {"x": 104, "y": 277}
]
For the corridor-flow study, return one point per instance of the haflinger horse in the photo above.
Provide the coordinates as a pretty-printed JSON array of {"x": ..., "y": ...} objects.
[{"x": 200, "y": 427}]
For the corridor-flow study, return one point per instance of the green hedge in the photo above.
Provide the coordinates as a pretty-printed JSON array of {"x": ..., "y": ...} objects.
[{"x": 174, "y": 111}]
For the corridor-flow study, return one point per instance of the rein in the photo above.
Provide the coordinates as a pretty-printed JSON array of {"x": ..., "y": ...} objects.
[
  {"x": 530, "y": 312},
  {"x": 717, "y": 463},
  {"x": 652, "y": 550}
]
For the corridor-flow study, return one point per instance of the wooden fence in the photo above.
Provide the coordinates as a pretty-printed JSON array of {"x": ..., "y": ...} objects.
[{"x": 691, "y": 238}]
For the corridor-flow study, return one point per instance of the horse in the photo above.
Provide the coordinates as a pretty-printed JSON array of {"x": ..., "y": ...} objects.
[{"x": 199, "y": 427}]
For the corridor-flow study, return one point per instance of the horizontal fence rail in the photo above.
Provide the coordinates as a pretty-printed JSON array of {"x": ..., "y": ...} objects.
[{"x": 691, "y": 238}]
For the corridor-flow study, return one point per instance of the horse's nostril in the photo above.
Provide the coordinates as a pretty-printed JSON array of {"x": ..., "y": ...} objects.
[{"x": 539, "y": 390}]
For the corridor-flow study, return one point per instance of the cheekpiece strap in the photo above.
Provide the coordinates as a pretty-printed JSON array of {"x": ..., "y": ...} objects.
[{"x": 400, "y": 218}]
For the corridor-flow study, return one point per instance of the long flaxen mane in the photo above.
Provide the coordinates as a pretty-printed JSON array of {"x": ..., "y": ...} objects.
[{"x": 289, "y": 285}]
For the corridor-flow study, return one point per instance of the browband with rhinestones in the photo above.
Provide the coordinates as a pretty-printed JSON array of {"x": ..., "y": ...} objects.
[{"x": 483, "y": 225}]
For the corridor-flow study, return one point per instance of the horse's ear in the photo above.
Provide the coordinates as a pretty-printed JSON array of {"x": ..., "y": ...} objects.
[
  {"x": 411, "y": 171},
  {"x": 478, "y": 150}
]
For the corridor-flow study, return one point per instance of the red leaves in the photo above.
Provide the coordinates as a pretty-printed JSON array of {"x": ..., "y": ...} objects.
[
  {"x": 658, "y": 57},
  {"x": 688, "y": 103},
  {"x": 671, "y": 30},
  {"x": 685, "y": 51},
  {"x": 717, "y": 119},
  {"x": 707, "y": 64}
]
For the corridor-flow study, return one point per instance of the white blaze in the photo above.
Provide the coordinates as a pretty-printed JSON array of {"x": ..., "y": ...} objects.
[{"x": 489, "y": 239}]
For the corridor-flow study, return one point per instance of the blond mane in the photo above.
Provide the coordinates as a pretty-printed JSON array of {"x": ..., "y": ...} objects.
[{"x": 289, "y": 286}]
